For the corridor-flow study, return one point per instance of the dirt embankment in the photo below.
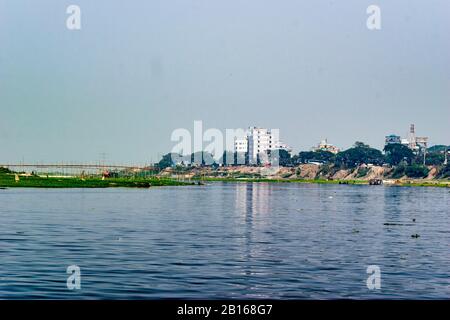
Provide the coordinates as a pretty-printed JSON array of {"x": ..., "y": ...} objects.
[
  {"x": 362, "y": 173},
  {"x": 303, "y": 171},
  {"x": 311, "y": 171},
  {"x": 432, "y": 174}
]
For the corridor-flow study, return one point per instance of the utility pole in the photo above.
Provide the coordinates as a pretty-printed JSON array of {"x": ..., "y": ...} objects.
[
  {"x": 103, "y": 163},
  {"x": 424, "y": 155},
  {"x": 446, "y": 155}
]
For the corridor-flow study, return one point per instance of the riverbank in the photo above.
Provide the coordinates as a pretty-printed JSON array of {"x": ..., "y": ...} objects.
[
  {"x": 32, "y": 181},
  {"x": 401, "y": 183},
  {"x": 308, "y": 173},
  {"x": 317, "y": 181}
]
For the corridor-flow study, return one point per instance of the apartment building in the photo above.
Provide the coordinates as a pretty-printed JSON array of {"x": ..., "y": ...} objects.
[{"x": 257, "y": 144}]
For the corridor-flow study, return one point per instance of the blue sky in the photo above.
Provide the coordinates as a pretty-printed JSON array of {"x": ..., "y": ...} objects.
[{"x": 137, "y": 71}]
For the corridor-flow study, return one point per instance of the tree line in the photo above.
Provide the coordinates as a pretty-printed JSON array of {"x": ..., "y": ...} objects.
[{"x": 395, "y": 155}]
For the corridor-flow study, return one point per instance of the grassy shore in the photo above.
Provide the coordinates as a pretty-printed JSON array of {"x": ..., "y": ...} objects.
[
  {"x": 419, "y": 183},
  {"x": 320, "y": 181},
  {"x": 408, "y": 183},
  {"x": 9, "y": 181}
]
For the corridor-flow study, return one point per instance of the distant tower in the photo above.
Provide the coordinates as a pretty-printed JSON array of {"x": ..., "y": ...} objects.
[
  {"x": 412, "y": 137},
  {"x": 417, "y": 143}
]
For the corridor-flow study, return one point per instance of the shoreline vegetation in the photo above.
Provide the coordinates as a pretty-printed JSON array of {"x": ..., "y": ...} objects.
[
  {"x": 13, "y": 180},
  {"x": 33, "y": 181},
  {"x": 396, "y": 165},
  {"x": 389, "y": 182},
  {"x": 307, "y": 173},
  {"x": 360, "y": 165}
]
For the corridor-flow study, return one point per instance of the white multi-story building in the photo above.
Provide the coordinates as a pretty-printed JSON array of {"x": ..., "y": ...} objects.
[
  {"x": 258, "y": 142},
  {"x": 241, "y": 145},
  {"x": 261, "y": 141}
]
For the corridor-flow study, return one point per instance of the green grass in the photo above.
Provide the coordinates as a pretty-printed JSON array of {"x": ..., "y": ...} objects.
[
  {"x": 320, "y": 181},
  {"x": 324, "y": 181},
  {"x": 440, "y": 184},
  {"x": 8, "y": 181}
]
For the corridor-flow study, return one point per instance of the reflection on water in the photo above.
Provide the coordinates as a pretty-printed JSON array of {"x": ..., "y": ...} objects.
[
  {"x": 252, "y": 201},
  {"x": 253, "y": 198},
  {"x": 226, "y": 240}
]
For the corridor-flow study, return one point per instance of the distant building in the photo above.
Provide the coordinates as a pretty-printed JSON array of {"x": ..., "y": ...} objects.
[
  {"x": 416, "y": 143},
  {"x": 258, "y": 143},
  {"x": 325, "y": 146},
  {"x": 392, "y": 139},
  {"x": 241, "y": 145},
  {"x": 282, "y": 146},
  {"x": 412, "y": 141}
]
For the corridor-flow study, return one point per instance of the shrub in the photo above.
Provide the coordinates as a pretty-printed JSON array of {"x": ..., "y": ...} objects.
[
  {"x": 398, "y": 172},
  {"x": 435, "y": 159},
  {"x": 362, "y": 172},
  {"x": 416, "y": 171},
  {"x": 445, "y": 171},
  {"x": 324, "y": 170},
  {"x": 4, "y": 170},
  {"x": 286, "y": 175}
]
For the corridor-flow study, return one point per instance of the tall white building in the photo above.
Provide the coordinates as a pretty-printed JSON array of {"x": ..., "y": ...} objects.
[
  {"x": 258, "y": 142},
  {"x": 241, "y": 145}
]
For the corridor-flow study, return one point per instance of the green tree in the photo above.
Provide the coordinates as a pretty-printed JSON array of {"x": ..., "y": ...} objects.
[
  {"x": 285, "y": 158},
  {"x": 359, "y": 154},
  {"x": 359, "y": 144},
  {"x": 416, "y": 171},
  {"x": 399, "y": 171},
  {"x": 445, "y": 171},
  {"x": 281, "y": 156},
  {"x": 434, "y": 159},
  {"x": 202, "y": 158},
  {"x": 396, "y": 153},
  {"x": 165, "y": 162},
  {"x": 306, "y": 156},
  {"x": 4, "y": 170},
  {"x": 438, "y": 148}
]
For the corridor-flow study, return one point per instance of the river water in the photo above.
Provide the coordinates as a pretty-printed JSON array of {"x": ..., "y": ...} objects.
[{"x": 226, "y": 240}]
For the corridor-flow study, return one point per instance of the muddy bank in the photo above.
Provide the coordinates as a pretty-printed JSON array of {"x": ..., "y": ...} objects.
[{"x": 303, "y": 172}]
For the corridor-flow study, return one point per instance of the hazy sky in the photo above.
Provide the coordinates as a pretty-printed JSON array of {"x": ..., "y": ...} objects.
[{"x": 137, "y": 70}]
